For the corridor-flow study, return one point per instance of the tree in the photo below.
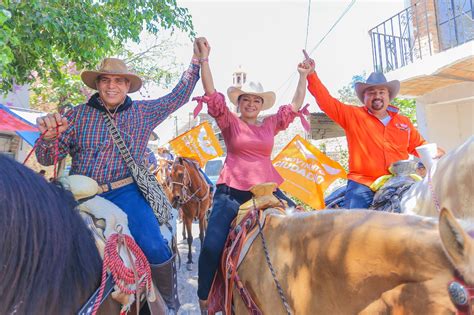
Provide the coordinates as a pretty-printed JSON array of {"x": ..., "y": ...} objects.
[
  {"x": 43, "y": 42},
  {"x": 407, "y": 107},
  {"x": 347, "y": 95},
  {"x": 153, "y": 62}
]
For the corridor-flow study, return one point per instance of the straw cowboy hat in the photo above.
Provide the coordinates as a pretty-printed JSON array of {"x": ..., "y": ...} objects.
[
  {"x": 112, "y": 66},
  {"x": 252, "y": 88},
  {"x": 377, "y": 79}
]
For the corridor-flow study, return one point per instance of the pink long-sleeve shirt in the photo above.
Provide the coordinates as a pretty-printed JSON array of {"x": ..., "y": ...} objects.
[{"x": 249, "y": 147}]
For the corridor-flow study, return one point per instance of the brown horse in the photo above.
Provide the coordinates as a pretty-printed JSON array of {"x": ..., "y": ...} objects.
[
  {"x": 357, "y": 262},
  {"x": 192, "y": 193}
]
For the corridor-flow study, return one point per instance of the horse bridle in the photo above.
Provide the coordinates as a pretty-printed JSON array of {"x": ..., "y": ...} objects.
[
  {"x": 185, "y": 186},
  {"x": 462, "y": 295}
]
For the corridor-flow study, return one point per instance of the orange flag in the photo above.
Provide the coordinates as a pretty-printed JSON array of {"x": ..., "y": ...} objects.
[
  {"x": 306, "y": 171},
  {"x": 199, "y": 144}
]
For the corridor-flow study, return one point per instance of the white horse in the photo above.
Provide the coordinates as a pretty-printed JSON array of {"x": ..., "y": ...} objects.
[{"x": 452, "y": 181}]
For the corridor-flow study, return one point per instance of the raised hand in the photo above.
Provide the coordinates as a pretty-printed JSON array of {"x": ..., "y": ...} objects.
[
  {"x": 201, "y": 48},
  {"x": 52, "y": 124},
  {"x": 306, "y": 67},
  {"x": 307, "y": 62}
]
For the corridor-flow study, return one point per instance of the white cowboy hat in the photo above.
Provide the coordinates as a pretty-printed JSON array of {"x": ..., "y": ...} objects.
[
  {"x": 377, "y": 79},
  {"x": 112, "y": 66},
  {"x": 252, "y": 88}
]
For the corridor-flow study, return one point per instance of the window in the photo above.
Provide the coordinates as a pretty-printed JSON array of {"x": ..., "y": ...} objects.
[
  {"x": 5, "y": 143},
  {"x": 455, "y": 22}
]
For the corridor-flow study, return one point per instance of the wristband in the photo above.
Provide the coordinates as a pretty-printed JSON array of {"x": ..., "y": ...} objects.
[{"x": 199, "y": 60}]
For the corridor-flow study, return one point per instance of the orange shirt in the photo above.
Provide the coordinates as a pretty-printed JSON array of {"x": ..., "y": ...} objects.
[{"x": 372, "y": 146}]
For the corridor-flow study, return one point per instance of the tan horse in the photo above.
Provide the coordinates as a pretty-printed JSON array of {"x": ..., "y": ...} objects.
[
  {"x": 192, "y": 193},
  {"x": 163, "y": 176},
  {"x": 357, "y": 262},
  {"x": 452, "y": 179}
]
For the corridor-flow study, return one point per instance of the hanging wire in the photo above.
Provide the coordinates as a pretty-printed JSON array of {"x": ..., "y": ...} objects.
[
  {"x": 333, "y": 26},
  {"x": 287, "y": 81},
  {"x": 307, "y": 25}
]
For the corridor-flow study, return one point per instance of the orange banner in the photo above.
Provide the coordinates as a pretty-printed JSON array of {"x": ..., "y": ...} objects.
[
  {"x": 307, "y": 171},
  {"x": 199, "y": 144}
]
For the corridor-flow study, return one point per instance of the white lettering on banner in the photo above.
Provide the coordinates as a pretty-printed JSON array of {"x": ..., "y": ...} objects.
[
  {"x": 310, "y": 166},
  {"x": 188, "y": 140},
  {"x": 206, "y": 144},
  {"x": 303, "y": 169}
]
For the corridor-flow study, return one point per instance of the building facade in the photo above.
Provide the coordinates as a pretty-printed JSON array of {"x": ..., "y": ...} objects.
[{"x": 429, "y": 47}]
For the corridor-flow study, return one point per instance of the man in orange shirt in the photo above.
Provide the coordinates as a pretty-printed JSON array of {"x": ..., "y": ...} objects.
[{"x": 377, "y": 134}]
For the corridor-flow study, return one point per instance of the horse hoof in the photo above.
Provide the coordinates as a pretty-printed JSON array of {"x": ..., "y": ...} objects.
[{"x": 189, "y": 266}]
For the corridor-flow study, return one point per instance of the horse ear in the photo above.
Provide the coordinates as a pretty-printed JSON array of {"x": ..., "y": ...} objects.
[{"x": 457, "y": 244}]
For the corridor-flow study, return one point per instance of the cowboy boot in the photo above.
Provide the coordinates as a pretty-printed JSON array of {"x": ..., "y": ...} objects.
[
  {"x": 203, "y": 305},
  {"x": 165, "y": 278}
]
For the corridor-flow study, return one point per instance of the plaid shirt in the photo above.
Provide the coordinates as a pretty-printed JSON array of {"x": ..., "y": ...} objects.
[{"x": 90, "y": 144}]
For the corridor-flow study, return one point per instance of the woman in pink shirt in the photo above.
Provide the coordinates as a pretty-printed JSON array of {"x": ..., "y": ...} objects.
[{"x": 249, "y": 143}]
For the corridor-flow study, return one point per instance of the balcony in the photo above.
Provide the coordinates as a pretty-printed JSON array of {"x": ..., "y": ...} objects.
[
  {"x": 427, "y": 46},
  {"x": 426, "y": 28}
]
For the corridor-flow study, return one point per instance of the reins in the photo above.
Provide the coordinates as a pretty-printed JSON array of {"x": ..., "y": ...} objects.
[
  {"x": 139, "y": 275},
  {"x": 56, "y": 152},
  {"x": 270, "y": 265}
]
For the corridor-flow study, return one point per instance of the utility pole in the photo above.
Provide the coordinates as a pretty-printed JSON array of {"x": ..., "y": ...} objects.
[
  {"x": 189, "y": 120},
  {"x": 176, "y": 125}
]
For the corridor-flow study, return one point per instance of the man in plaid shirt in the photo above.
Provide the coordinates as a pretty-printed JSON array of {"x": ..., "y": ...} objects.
[{"x": 84, "y": 135}]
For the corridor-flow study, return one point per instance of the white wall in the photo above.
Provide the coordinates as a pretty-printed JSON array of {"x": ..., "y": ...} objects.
[{"x": 446, "y": 115}]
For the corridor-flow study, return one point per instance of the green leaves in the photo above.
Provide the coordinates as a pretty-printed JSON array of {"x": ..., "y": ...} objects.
[
  {"x": 407, "y": 108},
  {"x": 43, "y": 36}
]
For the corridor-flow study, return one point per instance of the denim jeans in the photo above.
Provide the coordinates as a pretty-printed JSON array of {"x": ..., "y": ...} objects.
[
  {"x": 226, "y": 205},
  {"x": 358, "y": 196},
  {"x": 141, "y": 221}
]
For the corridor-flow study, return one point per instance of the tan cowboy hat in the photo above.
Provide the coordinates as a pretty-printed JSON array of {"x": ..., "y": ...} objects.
[
  {"x": 377, "y": 79},
  {"x": 112, "y": 66},
  {"x": 252, "y": 88}
]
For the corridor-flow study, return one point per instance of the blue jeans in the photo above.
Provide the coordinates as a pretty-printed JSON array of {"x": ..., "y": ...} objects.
[
  {"x": 141, "y": 221},
  {"x": 358, "y": 196},
  {"x": 226, "y": 205}
]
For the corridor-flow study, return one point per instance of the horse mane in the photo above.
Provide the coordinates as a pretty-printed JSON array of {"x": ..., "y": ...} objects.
[{"x": 48, "y": 259}]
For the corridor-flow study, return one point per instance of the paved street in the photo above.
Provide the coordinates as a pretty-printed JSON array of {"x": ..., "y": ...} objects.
[{"x": 187, "y": 280}]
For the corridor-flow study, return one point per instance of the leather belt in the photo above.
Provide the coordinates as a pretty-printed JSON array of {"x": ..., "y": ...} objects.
[{"x": 114, "y": 185}]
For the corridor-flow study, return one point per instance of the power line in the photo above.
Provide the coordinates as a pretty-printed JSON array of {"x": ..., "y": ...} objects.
[
  {"x": 307, "y": 25},
  {"x": 350, "y": 5},
  {"x": 333, "y": 26}
]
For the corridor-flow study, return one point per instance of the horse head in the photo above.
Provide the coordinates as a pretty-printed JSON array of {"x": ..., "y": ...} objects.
[{"x": 180, "y": 181}]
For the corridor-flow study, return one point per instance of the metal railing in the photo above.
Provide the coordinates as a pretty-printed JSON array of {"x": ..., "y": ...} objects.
[
  {"x": 401, "y": 39},
  {"x": 417, "y": 32}
]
